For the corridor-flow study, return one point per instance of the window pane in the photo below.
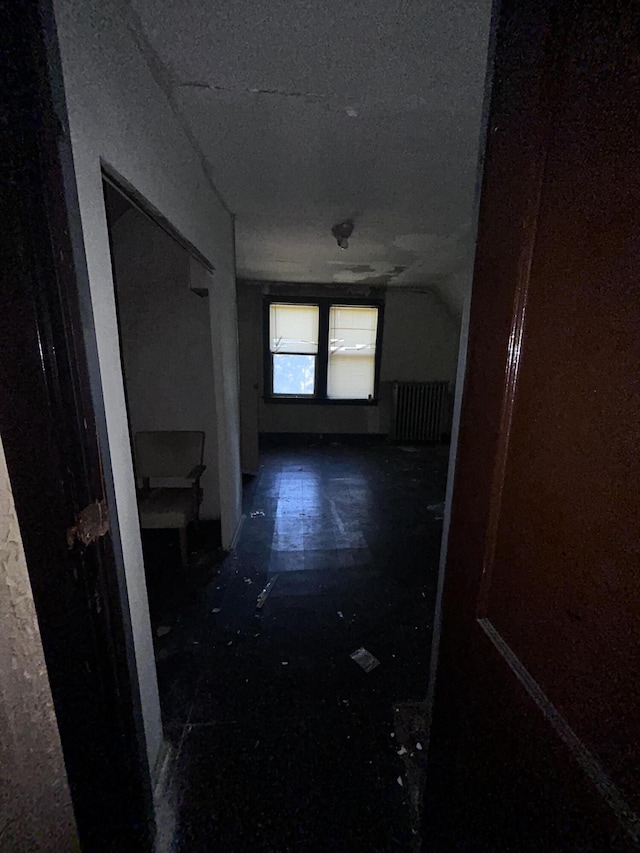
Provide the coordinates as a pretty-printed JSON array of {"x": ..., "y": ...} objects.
[
  {"x": 352, "y": 352},
  {"x": 351, "y": 378},
  {"x": 293, "y": 328},
  {"x": 294, "y": 374}
]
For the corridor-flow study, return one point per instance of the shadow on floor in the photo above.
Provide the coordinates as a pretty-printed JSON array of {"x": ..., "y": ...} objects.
[{"x": 172, "y": 592}]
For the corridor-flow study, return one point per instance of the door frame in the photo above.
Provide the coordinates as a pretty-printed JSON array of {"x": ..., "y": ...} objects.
[
  {"x": 461, "y": 370},
  {"x": 54, "y": 434},
  {"x": 480, "y": 496}
]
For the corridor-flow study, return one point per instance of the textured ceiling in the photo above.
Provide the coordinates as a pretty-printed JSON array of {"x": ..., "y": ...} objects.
[{"x": 313, "y": 112}]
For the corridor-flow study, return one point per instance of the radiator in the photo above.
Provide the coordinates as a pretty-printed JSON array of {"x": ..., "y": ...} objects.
[{"x": 419, "y": 410}]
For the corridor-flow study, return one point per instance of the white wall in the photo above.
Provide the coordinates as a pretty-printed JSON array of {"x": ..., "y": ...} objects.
[
  {"x": 35, "y": 805},
  {"x": 165, "y": 334},
  {"x": 119, "y": 114},
  {"x": 420, "y": 338},
  {"x": 250, "y": 349},
  {"x": 224, "y": 335},
  {"x": 419, "y": 343}
]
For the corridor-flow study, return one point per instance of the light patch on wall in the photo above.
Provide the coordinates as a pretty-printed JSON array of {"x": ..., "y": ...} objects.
[{"x": 34, "y": 793}]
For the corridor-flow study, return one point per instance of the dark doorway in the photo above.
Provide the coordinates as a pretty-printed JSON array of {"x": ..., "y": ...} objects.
[{"x": 162, "y": 391}]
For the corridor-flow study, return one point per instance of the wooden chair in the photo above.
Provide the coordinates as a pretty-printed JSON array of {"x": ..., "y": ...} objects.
[{"x": 176, "y": 457}]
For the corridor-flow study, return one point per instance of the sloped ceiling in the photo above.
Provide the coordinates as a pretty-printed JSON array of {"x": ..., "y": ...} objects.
[{"x": 309, "y": 113}]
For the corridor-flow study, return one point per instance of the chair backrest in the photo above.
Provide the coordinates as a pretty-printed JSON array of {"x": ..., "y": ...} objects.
[{"x": 168, "y": 454}]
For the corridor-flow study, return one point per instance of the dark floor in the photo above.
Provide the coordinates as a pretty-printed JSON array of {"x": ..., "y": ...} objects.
[{"x": 283, "y": 743}]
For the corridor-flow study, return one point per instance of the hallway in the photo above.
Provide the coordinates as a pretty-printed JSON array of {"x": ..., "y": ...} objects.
[{"x": 283, "y": 742}]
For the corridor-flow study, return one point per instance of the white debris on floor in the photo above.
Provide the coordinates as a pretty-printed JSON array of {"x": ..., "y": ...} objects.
[{"x": 364, "y": 659}]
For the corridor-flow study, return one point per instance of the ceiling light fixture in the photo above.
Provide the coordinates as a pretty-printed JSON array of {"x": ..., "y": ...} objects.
[{"x": 342, "y": 231}]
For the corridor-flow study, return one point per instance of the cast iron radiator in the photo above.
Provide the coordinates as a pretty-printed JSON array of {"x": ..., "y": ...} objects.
[{"x": 419, "y": 410}]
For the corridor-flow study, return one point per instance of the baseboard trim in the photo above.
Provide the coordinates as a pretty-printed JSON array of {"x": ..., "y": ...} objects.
[
  {"x": 271, "y": 439},
  {"x": 164, "y": 799},
  {"x": 162, "y": 766},
  {"x": 236, "y": 535}
]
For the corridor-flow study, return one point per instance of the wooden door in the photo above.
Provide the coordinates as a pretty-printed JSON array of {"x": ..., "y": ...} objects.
[
  {"x": 53, "y": 452},
  {"x": 535, "y": 741}
]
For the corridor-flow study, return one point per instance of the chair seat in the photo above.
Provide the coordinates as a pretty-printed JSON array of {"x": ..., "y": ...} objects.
[{"x": 166, "y": 508}]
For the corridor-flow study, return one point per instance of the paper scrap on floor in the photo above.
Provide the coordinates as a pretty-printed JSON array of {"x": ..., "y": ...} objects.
[
  {"x": 266, "y": 592},
  {"x": 365, "y": 659}
]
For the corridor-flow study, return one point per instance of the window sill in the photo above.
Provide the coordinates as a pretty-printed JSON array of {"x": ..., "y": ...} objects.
[{"x": 317, "y": 401}]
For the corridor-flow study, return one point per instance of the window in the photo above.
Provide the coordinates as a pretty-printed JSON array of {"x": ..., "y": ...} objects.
[
  {"x": 293, "y": 332},
  {"x": 322, "y": 351},
  {"x": 352, "y": 352}
]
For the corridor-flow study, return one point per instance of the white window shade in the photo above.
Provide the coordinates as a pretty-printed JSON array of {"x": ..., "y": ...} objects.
[
  {"x": 352, "y": 352},
  {"x": 293, "y": 329}
]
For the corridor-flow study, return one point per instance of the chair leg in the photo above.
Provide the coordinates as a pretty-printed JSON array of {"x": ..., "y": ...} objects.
[{"x": 184, "y": 555}]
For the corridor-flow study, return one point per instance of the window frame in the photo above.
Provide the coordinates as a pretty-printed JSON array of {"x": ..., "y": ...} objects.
[{"x": 324, "y": 304}]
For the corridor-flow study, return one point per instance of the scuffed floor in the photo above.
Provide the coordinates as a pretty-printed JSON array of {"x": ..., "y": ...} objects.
[{"x": 282, "y": 742}]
